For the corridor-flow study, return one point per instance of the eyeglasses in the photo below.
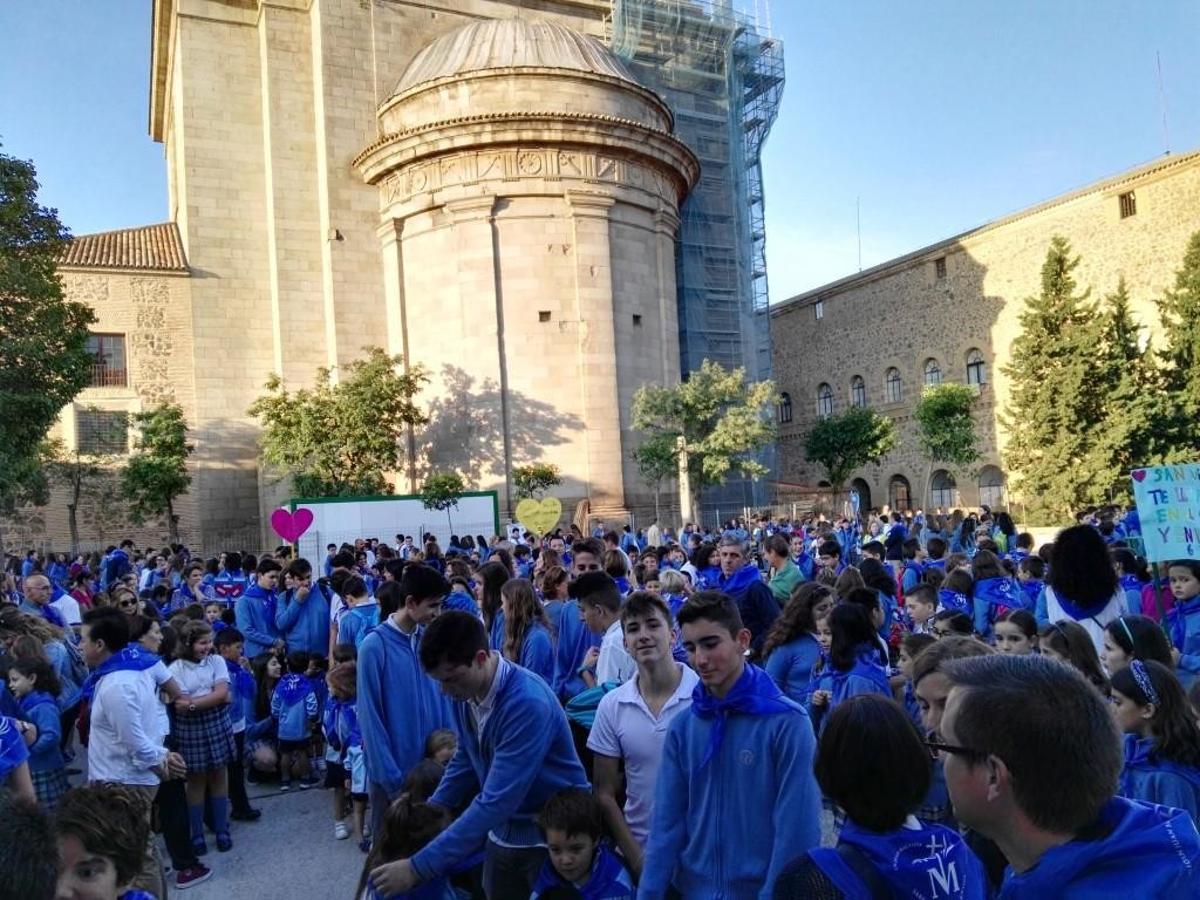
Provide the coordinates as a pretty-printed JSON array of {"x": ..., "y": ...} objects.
[{"x": 937, "y": 747}]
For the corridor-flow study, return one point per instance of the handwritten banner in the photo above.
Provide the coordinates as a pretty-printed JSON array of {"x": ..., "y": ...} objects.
[{"x": 1168, "y": 504}]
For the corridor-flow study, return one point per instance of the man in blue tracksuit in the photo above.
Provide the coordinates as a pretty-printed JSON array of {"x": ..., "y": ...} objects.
[
  {"x": 1032, "y": 760},
  {"x": 255, "y": 610},
  {"x": 302, "y": 611},
  {"x": 514, "y": 752},
  {"x": 398, "y": 704},
  {"x": 736, "y": 799}
]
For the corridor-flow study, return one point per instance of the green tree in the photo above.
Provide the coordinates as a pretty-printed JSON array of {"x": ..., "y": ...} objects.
[
  {"x": 342, "y": 439},
  {"x": 1056, "y": 405},
  {"x": 715, "y": 422},
  {"x": 534, "y": 479},
  {"x": 946, "y": 428},
  {"x": 847, "y": 441},
  {"x": 441, "y": 492},
  {"x": 1179, "y": 312},
  {"x": 156, "y": 474},
  {"x": 656, "y": 462},
  {"x": 44, "y": 360}
]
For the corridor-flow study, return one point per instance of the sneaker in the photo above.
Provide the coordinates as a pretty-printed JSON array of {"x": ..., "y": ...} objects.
[
  {"x": 224, "y": 843},
  {"x": 192, "y": 876},
  {"x": 309, "y": 781},
  {"x": 285, "y": 786},
  {"x": 340, "y": 831},
  {"x": 199, "y": 846},
  {"x": 365, "y": 845},
  {"x": 246, "y": 815}
]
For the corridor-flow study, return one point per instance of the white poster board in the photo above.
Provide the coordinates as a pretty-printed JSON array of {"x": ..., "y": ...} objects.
[{"x": 338, "y": 520}]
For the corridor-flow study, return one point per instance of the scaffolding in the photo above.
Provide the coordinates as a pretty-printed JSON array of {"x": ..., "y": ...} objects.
[{"x": 721, "y": 72}]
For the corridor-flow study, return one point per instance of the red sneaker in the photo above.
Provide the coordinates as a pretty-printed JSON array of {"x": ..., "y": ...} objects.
[{"x": 192, "y": 876}]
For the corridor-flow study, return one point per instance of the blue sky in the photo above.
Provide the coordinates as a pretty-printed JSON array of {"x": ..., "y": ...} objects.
[{"x": 939, "y": 115}]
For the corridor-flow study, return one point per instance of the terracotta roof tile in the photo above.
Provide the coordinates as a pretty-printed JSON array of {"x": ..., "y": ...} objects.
[{"x": 156, "y": 248}]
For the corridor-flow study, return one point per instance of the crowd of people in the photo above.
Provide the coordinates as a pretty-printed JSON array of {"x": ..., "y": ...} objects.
[{"x": 905, "y": 705}]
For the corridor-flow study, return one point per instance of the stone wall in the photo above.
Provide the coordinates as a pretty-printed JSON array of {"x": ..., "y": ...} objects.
[{"x": 905, "y": 312}]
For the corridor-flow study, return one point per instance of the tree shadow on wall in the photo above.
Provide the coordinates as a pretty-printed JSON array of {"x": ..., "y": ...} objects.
[{"x": 465, "y": 432}]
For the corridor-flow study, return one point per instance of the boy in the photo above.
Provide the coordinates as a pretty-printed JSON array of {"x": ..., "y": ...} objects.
[
  {"x": 574, "y": 638},
  {"x": 736, "y": 799},
  {"x": 302, "y": 611},
  {"x": 829, "y": 556},
  {"x": 295, "y": 710},
  {"x": 579, "y": 860},
  {"x": 256, "y": 610},
  {"x": 1030, "y": 573},
  {"x": 920, "y": 603},
  {"x": 873, "y": 550},
  {"x": 102, "y": 831},
  {"x": 600, "y": 610},
  {"x": 230, "y": 646},
  {"x": 914, "y": 566},
  {"x": 935, "y": 551}
]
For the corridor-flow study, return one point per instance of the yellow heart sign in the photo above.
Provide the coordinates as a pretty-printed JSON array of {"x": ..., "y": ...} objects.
[{"x": 539, "y": 516}]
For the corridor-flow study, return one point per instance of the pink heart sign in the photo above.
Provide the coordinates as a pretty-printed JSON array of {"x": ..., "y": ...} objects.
[
  {"x": 289, "y": 525},
  {"x": 1139, "y": 475}
]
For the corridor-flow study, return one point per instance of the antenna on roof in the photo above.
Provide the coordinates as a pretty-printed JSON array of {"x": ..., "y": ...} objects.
[{"x": 1162, "y": 99}]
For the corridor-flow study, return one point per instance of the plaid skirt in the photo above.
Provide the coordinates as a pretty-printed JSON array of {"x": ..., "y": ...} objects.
[
  {"x": 49, "y": 787},
  {"x": 205, "y": 739}
]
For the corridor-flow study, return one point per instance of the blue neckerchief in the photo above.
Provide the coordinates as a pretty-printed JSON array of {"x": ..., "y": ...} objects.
[
  {"x": 1077, "y": 612},
  {"x": 954, "y": 600},
  {"x": 739, "y": 582},
  {"x": 1031, "y": 589},
  {"x": 708, "y": 578},
  {"x": 622, "y": 585},
  {"x": 1177, "y": 620},
  {"x": 130, "y": 658},
  {"x": 998, "y": 592},
  {"x": 754, "y": 694},
  {"x": 607, "y": 878},
  {"x": 907, "y": 858},
  {"x": 254, "y": 592},
  {"x": 293, "y": 688},
  {"x": 866, "y": 665},
  {"x": 674, "y": 602},
  {"x": 1131, "y": 583},
  {"x": 1140, "y": 756},
  {"x": 805, "y": 563}
]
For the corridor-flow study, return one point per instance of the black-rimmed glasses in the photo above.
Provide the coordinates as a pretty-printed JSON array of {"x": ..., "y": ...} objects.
[{"x": 937, "y": 747}]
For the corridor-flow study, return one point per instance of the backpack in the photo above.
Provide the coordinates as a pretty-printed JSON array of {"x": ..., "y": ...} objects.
[{"x": 79, "y": 669}]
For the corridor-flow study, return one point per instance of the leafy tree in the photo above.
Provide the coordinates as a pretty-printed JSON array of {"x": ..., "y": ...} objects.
[
  {"x": 342, "y": 439},
  {"x": 1056, "y": 406},
  {"x": 848, "y": 441},
  {"x": 1179, "y": 311},
  {"x": 534, "y": 479},
  {"x": 441, "y": 491},
  {"x": 656, "y": 462},
  {"x": 157, "y": 471},
  {"x": 714, "y": 422},
  {"x": 945, "y": 427},
  {"x": 85, "y": 476},
  {"x": 44, "y": 360}
]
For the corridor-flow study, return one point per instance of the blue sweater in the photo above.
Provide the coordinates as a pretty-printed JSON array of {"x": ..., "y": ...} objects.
[
  {"x": 398, "y": 705},
  {"x": 790, "y": 665},
  {"x": 1183, "y": 627},
  {"x": 44, "y": 755},
  {"x": 304, "y": 626},
  {"x": 294, "y": 707},
  {"x": 574, "y": 641},
  {"x": 1160, "y": 781},
  {"x": 537, "y": 652},
  {"x": 256, "y": 620},
  {"x": 524, "y": 755},
  {"x": 357, "y": 623},
  {"x": 759, "y": 786}
]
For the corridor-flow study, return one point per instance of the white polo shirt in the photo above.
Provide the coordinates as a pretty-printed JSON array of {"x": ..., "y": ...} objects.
[
  {"x": 626, "y": 729},
  {"x": 614, "y": 664}
]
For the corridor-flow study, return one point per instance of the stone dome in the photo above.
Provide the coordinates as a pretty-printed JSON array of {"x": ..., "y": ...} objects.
[{"x": 511, "y": 43}]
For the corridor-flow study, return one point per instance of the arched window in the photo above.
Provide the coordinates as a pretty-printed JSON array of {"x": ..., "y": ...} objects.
[
  {"x": 933, "y": 372},
  {"x": 858, "y": 391},
  {"x": 899, "y": 493},
  {"x": 943, "y": 490},
  {"x": 893, "y": 387},
  {"x": 824, "y": 400},
  {"x": 785, "y": 408},
  {"x": 976, "y": 367},
  {"x": 991, "y": 487}
]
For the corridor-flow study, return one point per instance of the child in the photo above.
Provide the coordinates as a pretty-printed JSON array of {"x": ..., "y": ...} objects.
[
  {"x": 992, "y": 594},
  {"x": 791, "y": 648},
  {"x": 349, "y": 772},
  {"x": 1031, "y": 573},
  {"x": 600, "y": 608},
  {"x": 204, "y": 731},
  {"x": 1162, "y": 740},
  {"x": 951, "y": 623},
  {"x": 34, "y": 684},
  {"x": 1132, "y": 576},
  {"x": 363, "y": 615},
  {"x": 262, "y": 745},
  {"x": 1070, "y": 643},
  {"x": 910, "y": 646},
  {"x": 102, "y": 832},
  {"x": 230, "y": 645},
  {"x": 1183, "y": 621},
  {"x": 1016, "y": 632},
  {"x": 212, "y": 615},
  {"x": 580, "y": 860},
  {"x": 441, "y": 745},
  {"x": 935, "y": 547},
  {"x": 527, "y": 640},
  {"x": 294, "y": 709},
  {"x": 853, "y": 663},
  {"x": 408, "y": 826},
  {"x": 955, "y": 592},
  {"x": 913, "y": 572},
  {"x": 1127, "y": 638},
  {"x": 829, "y": 557},
  {"x": 921, "y": 605},
  {"x": 318, "y": 668},
  {"x": 617, "y": 568}
]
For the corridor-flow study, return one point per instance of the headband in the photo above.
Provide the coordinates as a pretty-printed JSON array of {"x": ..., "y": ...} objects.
[
  {"x": 1128, "y": 633},
  {"x": 1142, "y": 677}
]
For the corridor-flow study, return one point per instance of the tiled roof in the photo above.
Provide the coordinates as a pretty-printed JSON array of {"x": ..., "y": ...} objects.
[{"x": 155, "y": 248}]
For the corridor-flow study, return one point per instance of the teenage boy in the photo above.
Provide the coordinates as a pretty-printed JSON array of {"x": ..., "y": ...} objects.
[
  {"x": 398, "y": 704},
  {"x": 302, "y": 611},
  {"x": 829, "y": 556},
  {"x": 741, "y": 580},
  {"x": 736, "y": 798},
  {"x": 574, "y": 639},
  {"x": 515, "y": 751},
  {"x": 256, "y": 610},
  {"x": 600, "y": 609},
  {"x": 1033, "y": 758},
  {"x": 631, "y": 723}
]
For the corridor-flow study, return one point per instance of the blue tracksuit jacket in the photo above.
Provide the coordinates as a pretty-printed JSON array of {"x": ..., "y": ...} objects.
[{"x": 304, "y": 626}]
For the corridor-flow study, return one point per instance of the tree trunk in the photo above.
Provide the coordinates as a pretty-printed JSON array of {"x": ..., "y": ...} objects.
[
  {"x": 657, "y": 502},
  {"x": 172, "y": 523},
  {"x": 450, "y": 524},
  {"x": 73, "y": 525}
]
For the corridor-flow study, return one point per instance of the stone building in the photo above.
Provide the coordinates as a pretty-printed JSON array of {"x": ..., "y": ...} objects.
[
  {"x": 482, "y": 186},
  {"x": 949, "y": 312}
]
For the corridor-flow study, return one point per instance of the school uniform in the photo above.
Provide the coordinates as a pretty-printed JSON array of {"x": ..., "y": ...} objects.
[
  {"x": 537, "y": 652},
  {"x": 1148, "y": 777},
  {"x": 256, "y": 620},
  {"x": 357, "y": 623},
  {"x": 46, "y": 764},
  {"x": 205, "y": 737},
  {"x": 304, "y": 626},
  {"x": 242, "y": 690},
  {"x": 991, "y": 598},
  {"x": 1183, "y": 626},
  {"x": 614, "y": 664},
  {"x": 574, "y": 642},
  {"x": 294, "y": 706},
  {"x": 608, "y": 879},
  {"x": 866, "y": 676},
  {"x": 790, "y": 665}
]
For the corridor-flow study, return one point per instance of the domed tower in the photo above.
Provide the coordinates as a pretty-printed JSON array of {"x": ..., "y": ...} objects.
[{"x": 529, "y": 194}]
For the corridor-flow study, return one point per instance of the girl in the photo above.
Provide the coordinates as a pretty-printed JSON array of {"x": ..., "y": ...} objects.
[
  {"x": 617, "y": 569},
  {"x": 1017, "y": 632},
  {"x": 1134, "y": 637},
  {"x": 879, "y": 578},
  {"x": 1132, "y": 574},
  {"x": 992, "y": 594},
  {"x": 204, "y": 731},
  {"x": 212, "y": 615},
  {"x": 492, "y": 576},
  {"x": 1162, "y": 740},
  {"x": 910, "y": 646},
  {"x": 956, "y": 592},
  {"x": 1030, "y": 574},
  {"x": 705, "y": 567},
  {"x": 853, "y": 664},
  {"x": 34, "y": 684},
  {"x": 344, "y": 736},
  {"x": 526, "y": 629},
  {"x": 1183, "y": 621},
  {"x": 261, "y": 733},
  {"x": 1070, "y": 643},
  {"x": 1081, "y": 585},
  {"x": 407, "y": 827},
  {"x": 952, "y": 623},
  {"x": 791, "y": 647},
  {"x": 850, "y": 579}
]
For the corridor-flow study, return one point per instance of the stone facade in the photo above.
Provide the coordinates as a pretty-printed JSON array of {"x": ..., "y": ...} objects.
[{"x": 958, "y": 302}]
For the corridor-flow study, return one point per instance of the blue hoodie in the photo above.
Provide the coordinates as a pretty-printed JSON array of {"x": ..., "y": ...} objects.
[
  {"x": 44, "y": 754},
  {"x": 537, "y": 652},
  {"x": 1160, "y": 781},
  {"x": 991, "y": 598},
  {"x": 791, "y": 665},
  {"x": 758, "y": 785},
  {"x": 304, "y": 626},
  {"x": 574, "y": 641},
  {"x": 524, "y": 755},
  {"x": 867, "y": 676},
  {"x": 398, "y": 705},
  {"x": 1147, "y": 851},
  {"x": 1183, "y": 627},
  {"x": 754, "y": 600},
  {"x": 294, "y": 706},
  {"x": 256, "y": 620},
  {"x": 357, "y": 623}
]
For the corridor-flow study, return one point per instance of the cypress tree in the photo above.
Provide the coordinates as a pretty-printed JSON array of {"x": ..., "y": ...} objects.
[{"x": 1179, "y": 312}]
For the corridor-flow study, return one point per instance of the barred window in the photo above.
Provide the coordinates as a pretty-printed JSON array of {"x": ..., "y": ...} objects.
[{"x": 101, "y": 432}]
